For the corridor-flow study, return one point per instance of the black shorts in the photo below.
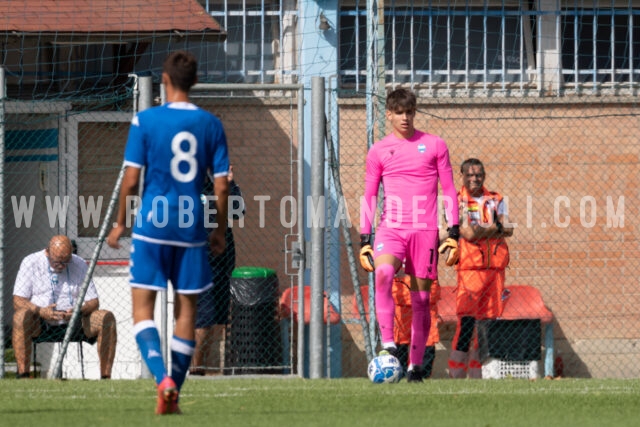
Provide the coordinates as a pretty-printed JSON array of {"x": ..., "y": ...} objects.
[
  {"x": 214, "y": 303},
  {"x": 56, "y": 333}
]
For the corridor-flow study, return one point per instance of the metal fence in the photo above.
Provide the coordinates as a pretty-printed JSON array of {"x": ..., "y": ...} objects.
[
  {"x": 566, "y": 167},
  {"x": 60, "y": 169}
]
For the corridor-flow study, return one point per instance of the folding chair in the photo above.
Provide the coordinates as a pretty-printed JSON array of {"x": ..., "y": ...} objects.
[{"x": 56, "y": 333}]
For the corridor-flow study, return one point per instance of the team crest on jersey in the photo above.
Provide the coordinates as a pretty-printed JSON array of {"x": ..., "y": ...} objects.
[{"x": 422, "y": 148}]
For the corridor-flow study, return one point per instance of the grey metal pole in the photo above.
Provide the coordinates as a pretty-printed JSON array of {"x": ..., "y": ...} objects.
[
  {"x": 301, "y": 232},
  {"x": 317, "y": 227},
  {"x": 2, "y": 242},
  {"x": 333, "y": 161},
  {"x": 371, "y": 92},
  {"x": 145, "y": 85},
  {"x": 145, "y": 101}
]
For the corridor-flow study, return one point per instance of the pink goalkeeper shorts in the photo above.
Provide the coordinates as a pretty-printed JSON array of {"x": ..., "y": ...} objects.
[{"x": 417, "y": 248}]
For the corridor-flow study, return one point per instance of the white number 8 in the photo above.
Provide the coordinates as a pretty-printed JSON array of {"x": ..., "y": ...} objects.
[{"x": 184, "y": 156}]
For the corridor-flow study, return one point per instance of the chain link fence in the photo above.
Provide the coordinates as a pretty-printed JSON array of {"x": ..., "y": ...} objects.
[
  {"x": 567, "y": 167},
  {"x": 61, "y": 166}
]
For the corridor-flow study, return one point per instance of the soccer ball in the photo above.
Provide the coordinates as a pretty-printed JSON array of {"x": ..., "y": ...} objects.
[{"x": 384, "y": 369}]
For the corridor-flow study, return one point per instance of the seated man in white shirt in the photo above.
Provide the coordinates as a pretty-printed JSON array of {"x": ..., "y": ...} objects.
[{"x": 46, "y": 290}]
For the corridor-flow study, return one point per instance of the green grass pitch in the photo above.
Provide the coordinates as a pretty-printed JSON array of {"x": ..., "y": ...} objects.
[{"x": 288, "y": 401}]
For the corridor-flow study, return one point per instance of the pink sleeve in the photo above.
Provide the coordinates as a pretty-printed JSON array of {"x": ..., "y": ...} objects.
[
  {"x": 450, "y": 196},
  {"x": 368, "y": 203}
]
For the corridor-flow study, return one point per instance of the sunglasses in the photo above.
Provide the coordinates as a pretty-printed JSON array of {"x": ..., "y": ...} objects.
[{"x": 59, "y": 263}]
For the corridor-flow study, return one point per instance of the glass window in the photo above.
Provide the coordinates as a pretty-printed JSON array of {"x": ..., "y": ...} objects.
[
  {"x": 597, "y": 45},
  {"x": 438, "y": 45}
]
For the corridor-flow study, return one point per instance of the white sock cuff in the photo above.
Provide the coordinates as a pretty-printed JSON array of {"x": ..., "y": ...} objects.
[
  {"x": 180, "y": 346},
  {"x": 141, "y": 326}
]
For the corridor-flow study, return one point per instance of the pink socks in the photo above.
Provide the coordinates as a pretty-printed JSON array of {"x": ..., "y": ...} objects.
[
  {"x": 385, "y": 312},
  {"x": 385, "y": 307},
  {"x": 420, "y": 326}
]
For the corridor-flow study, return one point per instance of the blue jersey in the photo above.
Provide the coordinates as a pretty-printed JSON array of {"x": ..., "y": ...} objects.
[{"x": 176, "y": 144}]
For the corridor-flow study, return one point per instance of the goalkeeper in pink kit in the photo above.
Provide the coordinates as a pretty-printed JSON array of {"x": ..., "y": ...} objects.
[{"x": 409, "y": 163}]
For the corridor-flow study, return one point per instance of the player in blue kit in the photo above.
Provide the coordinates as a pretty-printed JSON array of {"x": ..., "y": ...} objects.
[{"x": 177, "y": 144}]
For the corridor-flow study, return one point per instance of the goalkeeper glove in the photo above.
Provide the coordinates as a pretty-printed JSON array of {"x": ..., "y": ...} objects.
[
  {"x": 366, "y": 253},
  {"x": 450, "y": 245}
]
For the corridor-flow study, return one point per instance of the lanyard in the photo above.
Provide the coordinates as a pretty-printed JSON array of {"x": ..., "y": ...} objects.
[{"x": 54, "y": 281}]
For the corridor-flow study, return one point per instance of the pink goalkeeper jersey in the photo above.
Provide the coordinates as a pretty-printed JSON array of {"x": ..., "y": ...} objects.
[{"x": 409, "y": 170}]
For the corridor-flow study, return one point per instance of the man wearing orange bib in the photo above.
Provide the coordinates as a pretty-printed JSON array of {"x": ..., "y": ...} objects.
[{"x": 484, "y": 256}]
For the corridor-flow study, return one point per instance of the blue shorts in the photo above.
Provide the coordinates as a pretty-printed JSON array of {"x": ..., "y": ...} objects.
[
  {"x": 152, "y": 264},
  {"x": 417, "y": 248}
]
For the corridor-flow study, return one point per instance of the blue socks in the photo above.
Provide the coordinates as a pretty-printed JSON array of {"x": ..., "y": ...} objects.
[
  {"x": 181, "y": 353},
  {"x": 148, "y": 340}
]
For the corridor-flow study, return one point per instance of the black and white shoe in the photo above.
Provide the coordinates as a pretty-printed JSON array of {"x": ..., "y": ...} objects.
[
  {"x": 391, "y": 351},
  {"x": 415, "y": 375}
]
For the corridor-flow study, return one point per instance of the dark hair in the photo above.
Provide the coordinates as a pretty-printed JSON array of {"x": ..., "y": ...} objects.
[
  {"x": 401, "y": 99},
  {"x": 182, "y": 68},
  {"x": 471, "y": 162}
]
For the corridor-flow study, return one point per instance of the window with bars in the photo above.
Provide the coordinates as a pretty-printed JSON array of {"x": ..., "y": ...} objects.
[
  {"x": 444, "y": 45},
  {"x": 257, "y": 34},
  {"x": 496, "y": 45},
  {"x": 600, "y": 46},
  {"x": 440, "y": 46}
]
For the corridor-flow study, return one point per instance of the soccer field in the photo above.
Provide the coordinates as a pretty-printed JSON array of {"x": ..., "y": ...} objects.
[{"x": 344, "y": 402}]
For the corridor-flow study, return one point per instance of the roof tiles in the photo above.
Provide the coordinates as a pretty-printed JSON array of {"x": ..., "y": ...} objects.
[{"x": 104, "y": 16}]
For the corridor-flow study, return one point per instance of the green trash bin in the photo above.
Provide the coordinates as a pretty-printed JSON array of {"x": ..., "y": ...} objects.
[{"x": 254, "y": 339}]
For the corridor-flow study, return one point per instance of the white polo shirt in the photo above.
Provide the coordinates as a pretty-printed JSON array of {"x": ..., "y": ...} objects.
[{"x": 40, "y": 285}]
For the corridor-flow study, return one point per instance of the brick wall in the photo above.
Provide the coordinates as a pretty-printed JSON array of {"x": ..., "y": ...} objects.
[{"x": 548, "y": 158}]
